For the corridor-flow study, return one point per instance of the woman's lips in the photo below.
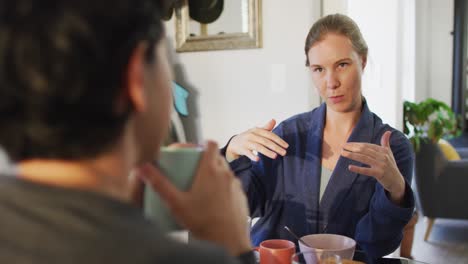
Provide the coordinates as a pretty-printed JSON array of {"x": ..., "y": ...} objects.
[{"x": 336, "y": 99}]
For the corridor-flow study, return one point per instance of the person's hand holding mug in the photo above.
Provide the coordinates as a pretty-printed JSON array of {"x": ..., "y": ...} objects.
[
  {"x": 257, "y": 140},
  {"x": 214, "y": 208}
]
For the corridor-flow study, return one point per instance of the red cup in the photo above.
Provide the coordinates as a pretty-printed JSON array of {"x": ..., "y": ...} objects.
[{"x": 276, "y": 251}]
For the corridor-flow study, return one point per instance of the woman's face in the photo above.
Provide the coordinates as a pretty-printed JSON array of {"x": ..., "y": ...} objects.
[{"x": 336, "y": 70}]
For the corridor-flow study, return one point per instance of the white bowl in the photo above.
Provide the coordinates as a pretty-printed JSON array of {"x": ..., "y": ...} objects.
[{"x": 342, "y": 246}]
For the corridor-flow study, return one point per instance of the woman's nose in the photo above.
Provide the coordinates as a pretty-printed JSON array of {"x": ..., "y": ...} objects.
[{"x": 332, "y": 81}]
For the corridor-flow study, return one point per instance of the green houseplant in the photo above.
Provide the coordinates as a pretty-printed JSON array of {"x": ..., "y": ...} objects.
[{"x": 429, "y": 121}]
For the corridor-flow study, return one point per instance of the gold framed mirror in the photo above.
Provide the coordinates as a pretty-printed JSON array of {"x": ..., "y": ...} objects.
[{"x": 237, "y": 25}]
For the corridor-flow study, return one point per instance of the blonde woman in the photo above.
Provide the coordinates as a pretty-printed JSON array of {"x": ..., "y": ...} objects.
[{"x": 336, "y": 169}]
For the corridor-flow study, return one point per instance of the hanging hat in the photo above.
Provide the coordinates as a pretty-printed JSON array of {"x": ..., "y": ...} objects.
[
  {"x": 205, "y": 11},
  {"x": 168, "y": 7}
]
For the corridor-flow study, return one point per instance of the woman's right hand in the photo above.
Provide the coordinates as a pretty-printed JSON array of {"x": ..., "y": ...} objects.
[{"x": 256, "y": 140}]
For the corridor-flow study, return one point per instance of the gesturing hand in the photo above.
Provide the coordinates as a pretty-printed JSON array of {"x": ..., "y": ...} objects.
[
  {"x": 257, "y": 140},
  {"x": 382, "y": 165}
]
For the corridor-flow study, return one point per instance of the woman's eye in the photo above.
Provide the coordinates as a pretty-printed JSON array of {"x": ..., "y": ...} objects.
[
  {"x": 317, "y": 69},
  {"x": 343, "y": 64}
]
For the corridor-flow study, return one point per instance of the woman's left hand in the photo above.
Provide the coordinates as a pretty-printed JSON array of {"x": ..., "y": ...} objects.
[{"x": 382, "y": 165}]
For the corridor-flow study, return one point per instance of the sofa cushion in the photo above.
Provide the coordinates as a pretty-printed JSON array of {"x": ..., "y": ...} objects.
[{"x": 448, "y": 150}]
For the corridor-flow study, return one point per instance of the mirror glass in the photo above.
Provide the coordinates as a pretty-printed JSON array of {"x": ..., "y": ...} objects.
[
  {"x": 217, "y": 24},
  {"x": 233, "y": 19}
]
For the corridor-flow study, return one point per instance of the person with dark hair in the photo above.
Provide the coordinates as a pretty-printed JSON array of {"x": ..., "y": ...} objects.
[
  {"x": 85, "y": 97},
  {"x": 336, "y": 169}
]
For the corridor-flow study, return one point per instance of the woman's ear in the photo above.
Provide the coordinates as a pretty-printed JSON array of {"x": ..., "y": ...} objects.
[
  {"x": 364, "y": 62},
  {"x": 134, "y": 77}
]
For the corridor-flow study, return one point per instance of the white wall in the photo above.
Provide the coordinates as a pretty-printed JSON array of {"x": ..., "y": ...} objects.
[
  {"x": 434, "y": 49},
  {"x": 334, "y": 6},
  {"x": 379, "y": 82},
  {"x": 228, "y": 22},
  {"x": 387, "y": 27},
  {"x": 408, "y": 50},
  {"x": 234, "y": 90}
]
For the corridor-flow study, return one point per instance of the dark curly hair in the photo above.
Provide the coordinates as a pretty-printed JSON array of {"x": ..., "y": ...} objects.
[{"x": 61, "y": 70}]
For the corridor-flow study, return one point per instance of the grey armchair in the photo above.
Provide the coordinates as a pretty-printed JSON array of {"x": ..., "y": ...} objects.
[
  {"x": 463, "y": 152},
  {"x": 441, "y": 185}
]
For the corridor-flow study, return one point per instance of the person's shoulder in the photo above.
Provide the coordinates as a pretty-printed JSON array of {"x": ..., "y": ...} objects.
[{"x": 398, "y": 141}]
